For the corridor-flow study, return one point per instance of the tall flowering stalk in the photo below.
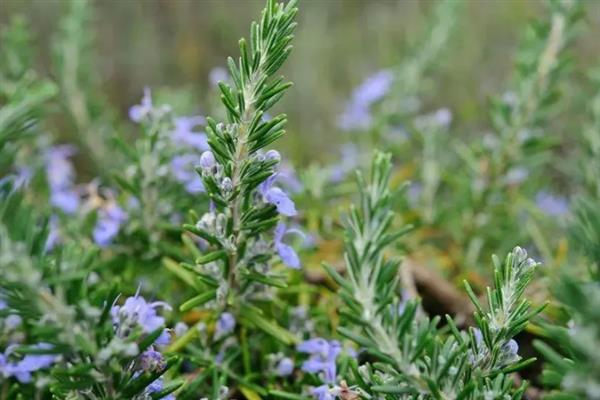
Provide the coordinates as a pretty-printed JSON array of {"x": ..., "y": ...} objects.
[{"x": 242, "y": 229}]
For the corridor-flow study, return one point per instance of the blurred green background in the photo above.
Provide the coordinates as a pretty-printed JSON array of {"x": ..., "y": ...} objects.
[{"x": 175, "y": 43}]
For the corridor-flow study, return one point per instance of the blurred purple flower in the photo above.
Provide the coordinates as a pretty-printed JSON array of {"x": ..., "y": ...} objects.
[
  {"x": 61, "y": 174},
  {"x": 152, "y": 360},
  {"x": 357, "y": 113},
  {"x": 441, "y": 118},
  {"x": 285, "y": 367},
  {"x": 53, "y": 233},
  {"x": 287, "y": 177},
  {"x": 373, "y": 88},
  {"x": 516, "y": 175},
  {"x": 286, "y": 252},
  {"x": 156, "y": 387},
  {"x": 137, "y": 312},
  {"x": 182, "y": 167},
  {"x": 552, "y": 205},
  {"x": 66, "y": 200},
  {"x": 20, "y": 178},
  {"x": 225, "y": 325},
  {"x": 274, "y": 195},
  {"x": 22, "y": 369},
  {"x": 323, "y": 356},
  {"x": 216, "y": 75},
  {"x": 109, "y": 222},
  {"x": 322, "y": 393},
  {"x": 185, "y": 135},
  {"x": 347, "y": 163},
  {"x": 355, "y": 116},
  {"x": 140, "y": 111}
]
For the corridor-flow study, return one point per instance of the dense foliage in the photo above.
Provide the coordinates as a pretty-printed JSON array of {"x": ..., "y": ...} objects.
[{"x": 200, "y": 264}]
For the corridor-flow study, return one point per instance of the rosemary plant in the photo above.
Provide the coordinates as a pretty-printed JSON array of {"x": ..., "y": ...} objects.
[
  {"x": 239, "y": 177},
  {"x": 410, "y": 356}
]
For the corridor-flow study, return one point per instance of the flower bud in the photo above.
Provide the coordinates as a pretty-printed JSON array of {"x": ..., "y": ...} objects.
[
  {"x": 273, "y": 155},
  {"x": 207, "y": 160},
  {"x": 226, "y": 185}
]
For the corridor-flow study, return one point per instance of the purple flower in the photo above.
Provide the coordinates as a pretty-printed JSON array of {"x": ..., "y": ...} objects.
[
  {"x": 285, "y": 367},
  {"x": 20, "y": 179},
  {"x": 357, "y": 113},
  {"x": 12, "y": 321},
  {"x": 216, "y": 75},
  {"x": 157, "y": 386},
  {"x": 109, "y": 222},
  {"x": 66, "y": 200},
  {"x": 355, "y": 116},
  {"x": 183, "y": 170},
  {"x": 152, "y": 360},
  {"x": 347, "y": 163},
  {"x": 277, "y": 197},
  {"x": 61, "y": 174},
  {"x": 288, "y": 179},
  {"x": 59, "y": 170},
  {"x": 373, "y": 88},
  {"x": 184, "y": 134},
  {"x": 322, "y": 393},
  {"x": 140, "y": 111},
  {"x": 137, "y": 312},
  {"x": 225, "y": 325},
  {"x": 286, "y": 252},
  {"x": 516, "y": 175},
  {"x": 404, "y": 299},
  {"x": 22, "y": 369},
  {"x": 53, "y": 233},
  {"x": 323, "y": 356},
  {"x": 552, "y": 205}
]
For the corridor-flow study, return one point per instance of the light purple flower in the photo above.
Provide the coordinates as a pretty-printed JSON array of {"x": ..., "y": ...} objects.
[
  {"x": 185, "y": 135},
  {"x": 23, "y": 368},
  {"x": 551, "y": 205},
  {"x": 137, "y": 312},
  {"x": 140, "y": 111},
  {"x": 347, "y": 163},
  {"x": 322, "y": 393},
  {"x": 225, "y": 325},
  {"x": 59, "y": 169},
  {"x": 66, "y": 200},
  {"x": 286, "y": 176},
  {"x": 53, "y": 233},
  {"x": 12, "y": 321},
  {"x": 274, "y": 195},
  {"x": 516, "y": 175},
  {"x": 152, "y": 360},
  {"x": 157, "y": 386},
  {"x": 357, "y": 113},
  {"x": 183, "y": 170},
  {"x": 373, "y": 88},
  {"x": 441, "y": 118},
  {"x": 285, "y": 367},
  {"x": 355, "y": 117},
  {"x": 61, "y": 174},
  {"x": 20, "y": 178},
  {"x": 109, "y": 222},
  {"x": 216, "y": 75},
  {"x": 323, "y": 356},
  {"x": 286, "y": 252}
]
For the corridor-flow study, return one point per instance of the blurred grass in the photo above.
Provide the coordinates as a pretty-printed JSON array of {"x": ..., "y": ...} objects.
[{"x": 176, "y": 43}]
